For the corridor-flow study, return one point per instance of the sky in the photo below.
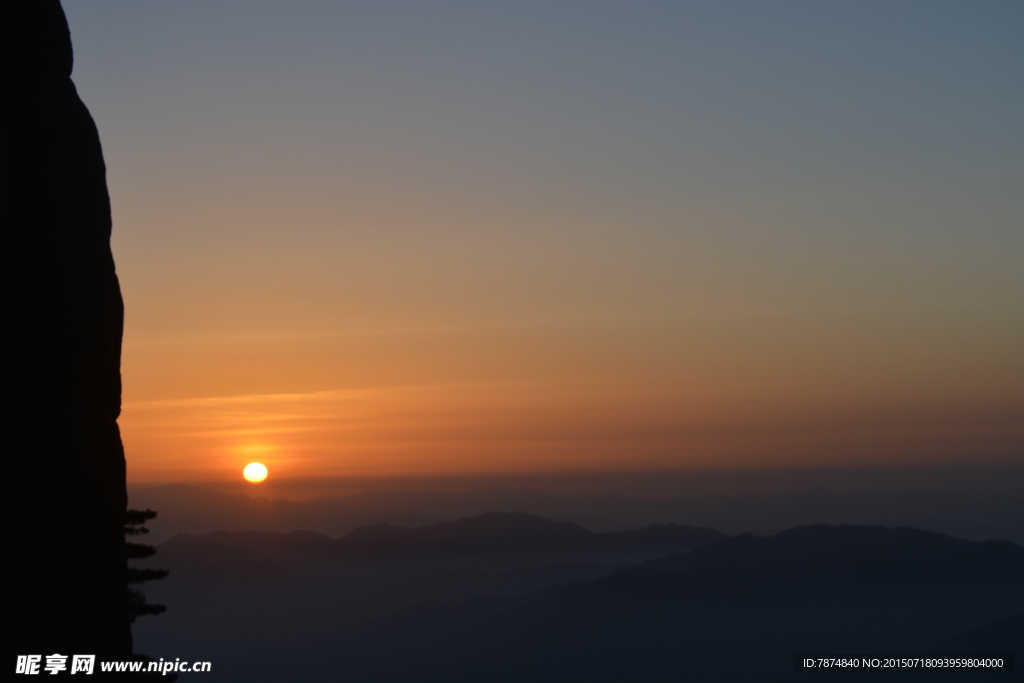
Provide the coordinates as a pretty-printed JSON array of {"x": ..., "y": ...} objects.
[{"x": 376, "y": 238}]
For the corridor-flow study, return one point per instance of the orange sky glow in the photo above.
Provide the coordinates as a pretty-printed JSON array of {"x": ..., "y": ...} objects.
[{"x": 452, "y": 238}]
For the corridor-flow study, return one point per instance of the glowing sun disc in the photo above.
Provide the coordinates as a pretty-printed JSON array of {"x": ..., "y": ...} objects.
[{"x": 255, "y": 472}]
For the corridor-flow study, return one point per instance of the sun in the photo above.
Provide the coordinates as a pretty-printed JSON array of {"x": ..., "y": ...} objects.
[{"x": 255, "y": 472}]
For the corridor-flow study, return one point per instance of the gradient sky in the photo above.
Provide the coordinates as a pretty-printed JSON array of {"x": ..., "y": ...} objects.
[{"x": 372, "y": 238}]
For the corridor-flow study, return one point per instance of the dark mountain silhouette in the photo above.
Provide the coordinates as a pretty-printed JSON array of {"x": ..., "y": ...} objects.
[
  {"x": 62, "y": 335},
  {"x": 197, "y": 510},
  {"x": 227, "y": 583},
  {"x": 512, "y": 538},
  {"x": 800, "y": 563},
  {"x": 516, "y": 535},
  {"x": 736, "y": 609},
  {"x": 494, "y": 532},
  {"x": 975, "y": 516}
]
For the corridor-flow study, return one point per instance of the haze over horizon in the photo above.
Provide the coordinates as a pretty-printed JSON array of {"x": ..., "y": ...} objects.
[{"x": 396, "y": 239}]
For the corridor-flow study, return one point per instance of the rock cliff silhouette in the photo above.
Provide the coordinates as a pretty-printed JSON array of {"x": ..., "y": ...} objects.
[{"x": 65, "y": 484}]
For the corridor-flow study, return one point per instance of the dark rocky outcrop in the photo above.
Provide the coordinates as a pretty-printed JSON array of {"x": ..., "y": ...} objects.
[{"x": 62, "y": 320}]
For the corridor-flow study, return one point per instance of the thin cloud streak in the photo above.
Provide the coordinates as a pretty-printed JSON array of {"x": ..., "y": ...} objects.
[{"x": 531, "y": 426}]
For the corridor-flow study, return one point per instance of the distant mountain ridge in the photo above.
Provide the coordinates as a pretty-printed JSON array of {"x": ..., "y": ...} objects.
[
  {"x": 857, "y": 559},
  {"x": 732, "y": 611},
  {"x": 504, "y": 533},
  {"x": 490, "y": 534},
  {"x": 196, "y": 510},
  {"x": 508, "y": 597}
]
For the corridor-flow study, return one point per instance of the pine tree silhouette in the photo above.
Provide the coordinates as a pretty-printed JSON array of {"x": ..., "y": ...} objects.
[{"x": 133, "y": 526}]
